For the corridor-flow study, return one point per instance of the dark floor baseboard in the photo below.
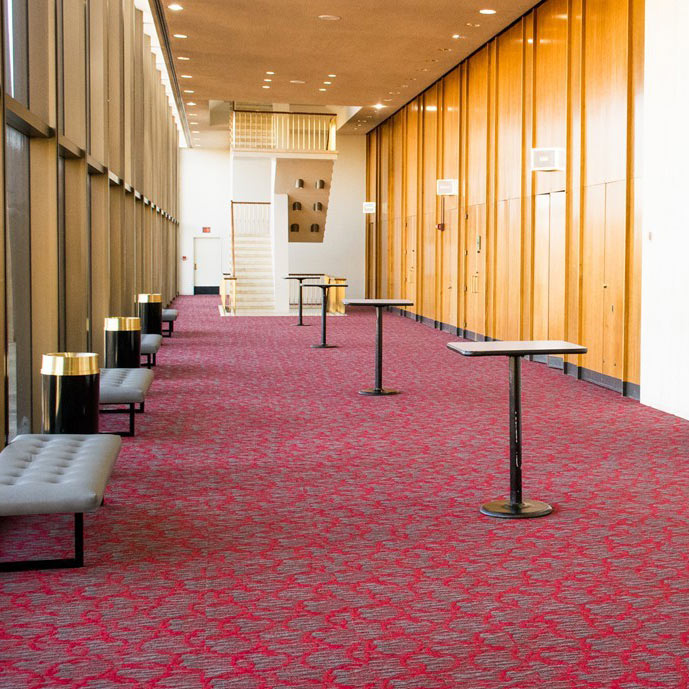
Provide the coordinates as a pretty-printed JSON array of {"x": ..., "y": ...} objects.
[
  {"x": 631, "y": 390},
  {"x": 206, "y": 290}
]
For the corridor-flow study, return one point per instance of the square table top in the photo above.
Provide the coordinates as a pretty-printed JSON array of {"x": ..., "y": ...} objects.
[
  {"x": 377, "y": 302},
  {"x": 305, "y": 276},
  {"x": 516, "y": 348}
]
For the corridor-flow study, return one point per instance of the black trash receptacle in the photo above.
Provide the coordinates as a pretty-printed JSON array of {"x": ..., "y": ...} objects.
[
  {"x": 151, "y": 313},
  {"x": 71, "y": 392},
  {"x": 122, "y": 342}
]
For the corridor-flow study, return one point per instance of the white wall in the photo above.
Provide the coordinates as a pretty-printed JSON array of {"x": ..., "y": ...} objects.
[
  {"x": 205, "y": 195},
  {"x": 343, "y": 250},
  {"x": 665, "y": 255},
  {"x": 252, "y": 179}
]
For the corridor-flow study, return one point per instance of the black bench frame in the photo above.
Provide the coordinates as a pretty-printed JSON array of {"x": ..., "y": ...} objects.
[
  {"x": 129, "y": 409},
  {"x": 76, "y": 561},
  {"x": 151, "y": 359},
  {"x": 170, "y": 329}
]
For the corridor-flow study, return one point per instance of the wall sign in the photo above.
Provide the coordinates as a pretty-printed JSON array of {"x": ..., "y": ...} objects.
[
  {"x": 447, "y": 187},
  {"x": 548, "y": 159},
  {"x": 369, "y": 207},
  {"x": 206, "y": 230}
]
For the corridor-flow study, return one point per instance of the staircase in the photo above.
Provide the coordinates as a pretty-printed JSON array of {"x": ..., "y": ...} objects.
[{"x": 254, "y": 271}]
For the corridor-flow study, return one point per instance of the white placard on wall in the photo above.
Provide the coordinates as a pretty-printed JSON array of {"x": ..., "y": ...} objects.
[
  {"x": 447, "y": 187},
  {"x": 369, "y": 207}
]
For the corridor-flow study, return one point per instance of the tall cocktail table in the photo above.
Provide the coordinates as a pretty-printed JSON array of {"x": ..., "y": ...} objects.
[
  {"x": 379, "y": 304},
  {"x": 324, "y": 313},
  {"x": 516, "y": 507},
  {"x": 301, "y": 279}
]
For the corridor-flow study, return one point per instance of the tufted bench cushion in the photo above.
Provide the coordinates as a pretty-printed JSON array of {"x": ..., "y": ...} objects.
[
  {"x": 124, "y": 385},
  {"x": 45, "y": 474},
  {"x": 51, "y": 474},
  {"x": 150, "y": 344},
  {"x": 170, "y": 314}
]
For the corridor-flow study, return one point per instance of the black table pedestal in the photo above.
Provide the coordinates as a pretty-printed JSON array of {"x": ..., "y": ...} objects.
[
  {"x": 379, "y": 390},
  {"x": 516, "y": 507},
  {"x": 324, "y": 317},
  {"x": 300, "y": 322}
]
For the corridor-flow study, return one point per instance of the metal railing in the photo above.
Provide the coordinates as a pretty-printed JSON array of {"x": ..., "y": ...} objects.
[{"x": 287, "y": 132}]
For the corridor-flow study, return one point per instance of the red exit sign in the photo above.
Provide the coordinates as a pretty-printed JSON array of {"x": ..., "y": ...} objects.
[{"x": 206, "y": 230}]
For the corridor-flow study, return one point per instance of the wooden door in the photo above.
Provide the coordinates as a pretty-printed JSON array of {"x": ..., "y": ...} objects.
[
  {"x": 450, "y": 246},
  {"x": 475, "y": 285}
]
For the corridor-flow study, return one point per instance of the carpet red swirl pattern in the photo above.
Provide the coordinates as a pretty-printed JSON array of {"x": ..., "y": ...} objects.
[{"x": 270, "y": 528}]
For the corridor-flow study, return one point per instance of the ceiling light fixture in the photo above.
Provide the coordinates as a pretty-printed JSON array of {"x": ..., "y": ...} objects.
[
  {"x": 270, "y": 72},
  {"x": 329, "y": 17},
  {"x": 474, "y": 25},
  {"x": 191, "y": 102},
  {"x": 332, "y": 76},
  {"x": 387, "y": 100},
  {"x": 297, "y": 81},
  {"x": 186, "y": 76},
  {"x": 183, "y": 58},
  {"x": 268, "y": 80},
  {"x": 322, "y": 89},
  {"x": 486, "y": 11},
  {"x": 378, "y": 106},
  {"x": 175, "y": 7},
  {"x": 328, "y": 82},
  {"x": 265, "y": 86},
  {"x": 180, "y": 35}
]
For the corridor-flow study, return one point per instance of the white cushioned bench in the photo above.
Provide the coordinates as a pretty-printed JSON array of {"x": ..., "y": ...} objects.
[
  {"x": 169, "y": 317},
  {"x": 150, "y": 344},
  {"x": 55, "y": 474},
  {"x": 125, "y": 386}
]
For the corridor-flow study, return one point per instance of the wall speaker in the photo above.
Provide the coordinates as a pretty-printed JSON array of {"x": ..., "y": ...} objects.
[
  {"x": 299, "y": 184},
  {"x": 320, "y": 184},
  {"x": 318, "y": 206},
  {"x": 548, "y": 159},
  {"x": 315, "y": 228},
  {"x": 296, "y": 206},
  {"x": 294, "y": 227}
]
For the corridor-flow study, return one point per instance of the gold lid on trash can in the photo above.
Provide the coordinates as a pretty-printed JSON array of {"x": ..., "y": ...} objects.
[
  {"x": 149, "y": 298},
  {"x": 121, "y": 323},
  {"x": 70, "y": 364}
]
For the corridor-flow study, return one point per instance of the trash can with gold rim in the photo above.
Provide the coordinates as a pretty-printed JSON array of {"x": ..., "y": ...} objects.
[
  {"x": 151, "y": 313},
  {"x": 122, "y": 342},
  {"x": 71, "y": 390}
]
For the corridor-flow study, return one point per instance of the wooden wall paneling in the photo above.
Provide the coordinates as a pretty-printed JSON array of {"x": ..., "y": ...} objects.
[
  {"x": 541, "y": 267},
  {"x": 550, "y": 96},
  {"x": 463, "y": 279},
  {"x": 411, "y": 204},
  {"x": 44, "y": 262},
  {"x": 128, "y": 257},
  {"x": 476, "y": 270},
  {"x": 593, "y": 252},
  {"x": 115, "y": 87},
  {"x": 74, "y": 70},
  {"x": 574, "y": 178},
  {"x": 527, "y": 207},
  {"x": 42, "y": 63},
  {"x": 148, "y": 250},
  {"x": 477, "y": 127},
  {"x": 128, "y": 36},
  {"x": 515, "y": 274},
  {"x": 605, "y": 76},
  {"x": 371, "y": 181},
  {"x": 384, "y": 211},
  {"x": 3, "y": 263},
  {"x": 449, "y": 238},
  {"x": 98, "y": 81},
  {"x": 100, "y": 260},
  {"x": 557, "y": 256},
  {"x": 501, "y": 266},
  {"x": 429, "y": 199},
  {"x": 396, "y": 202},
  {"x": 77, "y": 249},
  {"x": 139, "y": 239},
  {"x": 116, "y": 200},
  {"x": 614, "y": 275}
]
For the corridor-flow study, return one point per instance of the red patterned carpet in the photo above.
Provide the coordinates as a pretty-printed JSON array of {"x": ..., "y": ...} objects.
[{"x": 270, "y": 528}]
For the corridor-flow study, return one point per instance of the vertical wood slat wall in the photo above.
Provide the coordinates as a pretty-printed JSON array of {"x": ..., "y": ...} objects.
[
  {"x": 524, "y": 255},
  {"x": 96, "y": 103}
]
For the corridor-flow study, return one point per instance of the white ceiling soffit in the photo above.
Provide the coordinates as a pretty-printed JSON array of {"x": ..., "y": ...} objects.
[{"x": 280, "y": 51}]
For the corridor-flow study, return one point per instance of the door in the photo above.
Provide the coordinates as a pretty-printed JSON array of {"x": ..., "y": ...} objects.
[
  {"x": 207, "y": 265},
  {"x": 475, "y": 284}
]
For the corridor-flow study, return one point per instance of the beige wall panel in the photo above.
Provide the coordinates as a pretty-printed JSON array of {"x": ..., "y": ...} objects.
[
  {"x": 42, "y": 82},
  {"x": 450, "y": 286},
  {"x": 515, "y": 289},
  {"x": 429, "y": 237},
  {"x": 502, "y": 271},
  {"x": 44, "y": 263},
  {"x": 541, "y": 264},
  {"x": 74, "y": 70},
  {"x": 476, "y": 270},
  {"x": 116, "y": 210},
  {"x": 605, "y": 78},
  {"x": 410, "y": 262},
  {"x": 115, "y": 88},
  {"x": 100, "y": 259},
  {"x": 98, "y": 95},
  {"x": 128, "y": 35},
  {"x": 128, "y": 257},
  {"x": 76, "y": 257},
  {"x": 550, "y": 93},
  {"x": 509, "y": 112}
]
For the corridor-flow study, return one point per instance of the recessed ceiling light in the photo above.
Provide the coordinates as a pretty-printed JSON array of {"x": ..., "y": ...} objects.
[
  {"x": 188, "y": 91},
  {"x": 195, "y": 131},
  {"x": 329, "y": 17},
  {"x": 297, "y": 81},
  {"x": 404, "y": 86},
  {"x": 191, "y": 102},
  {"x": 445, "y": 50},
  {"x": 267, "y": 80},
  {"x": 270, "y": 72},
  {"x": 378, "y": 106},
  {"x": 186, "y": 76},
  {"x": 486, "y": 11},
  {"x": 457, "y": 35},
  {"x": 332, "y": 76},
  {"x": 328, "y": 82},
  {"x": 183, "y": 58},
  {"x": 322, "y": 89},
  {"x": 180, "y": 35},
  {"x": 387, "y": 100},
  {"x": 474, "y": 25},
  {"x": 265, "y": 87},
  {"x": 175, "y": 7}
]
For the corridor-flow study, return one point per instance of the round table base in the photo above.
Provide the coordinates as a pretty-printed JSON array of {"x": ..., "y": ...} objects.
[
  {"x": 324, "y": 346},
  {"x": 375, "y": 392},
  {"x": 524, "y": 510}
]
